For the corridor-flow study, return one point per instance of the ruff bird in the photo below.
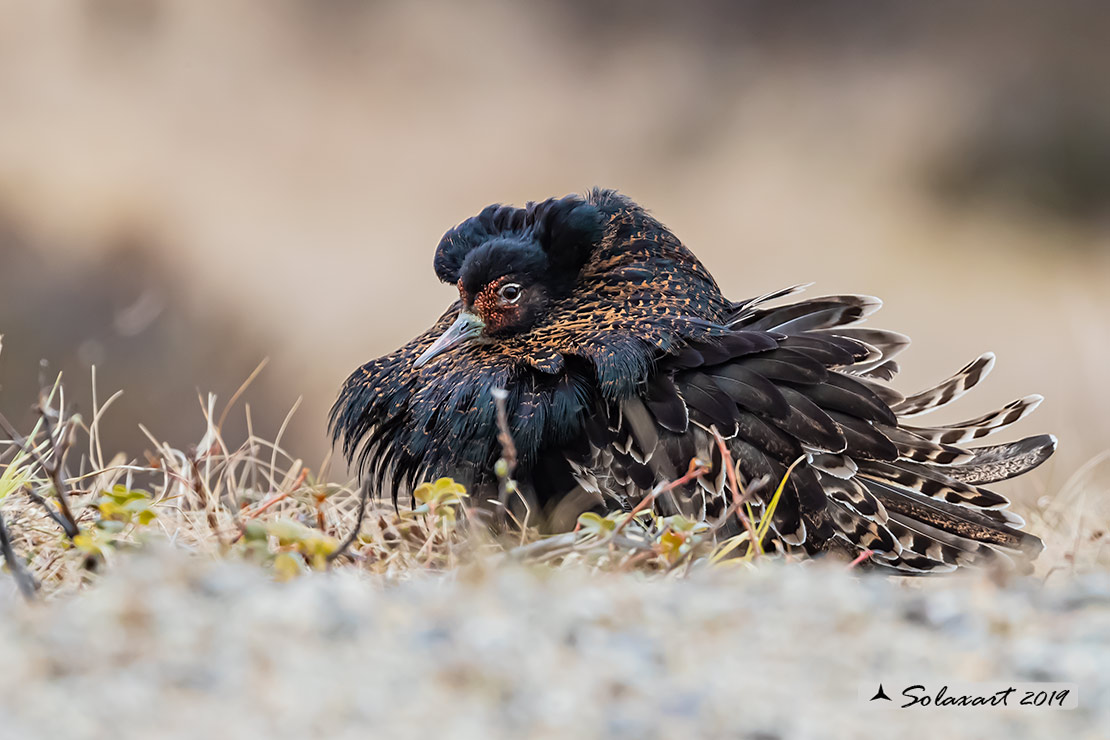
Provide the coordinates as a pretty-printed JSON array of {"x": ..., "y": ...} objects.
[{"x": 622, "y": 361}]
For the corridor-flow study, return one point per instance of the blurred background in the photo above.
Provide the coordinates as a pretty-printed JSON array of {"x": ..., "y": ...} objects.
[{"x": 187, "y": 188}]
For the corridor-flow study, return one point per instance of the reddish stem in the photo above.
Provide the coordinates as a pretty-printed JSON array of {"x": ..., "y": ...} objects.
[
  {"x": 695, "y": 471},
  {"x": 865, "y": 555}
]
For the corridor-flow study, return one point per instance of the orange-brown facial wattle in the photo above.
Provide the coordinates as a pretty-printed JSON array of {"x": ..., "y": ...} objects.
[{"x": 502, "y": 304}]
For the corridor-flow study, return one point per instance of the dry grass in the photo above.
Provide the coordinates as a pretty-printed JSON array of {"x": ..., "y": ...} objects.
[
  {"x": 1075, "y": 522},
  {"x": 70, "y": 512}
]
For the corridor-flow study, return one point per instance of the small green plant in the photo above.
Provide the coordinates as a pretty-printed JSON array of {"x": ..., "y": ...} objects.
[
  {"x": 679, "y": 537},
  {"x": 296, "y": 539},
  {"x": 441, "y": 500},
  {"x": 121, "y": 506}
]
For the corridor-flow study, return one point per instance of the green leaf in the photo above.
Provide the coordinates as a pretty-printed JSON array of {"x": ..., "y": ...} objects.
[
  {"x": 254, "y": 531},
  {"x": 122, "y": 494},
  {"x": 287, "y": 531},
  {"x": 442, "y": 491},
  {"x": 672, "y": 545},
  {"x": 92, "y": 541},
  {"x": 287, "y": 566},
  {"x": 680, "y": 523},
  {"x": 112, "y": 510},
  {"x": 596, "y": 524}
]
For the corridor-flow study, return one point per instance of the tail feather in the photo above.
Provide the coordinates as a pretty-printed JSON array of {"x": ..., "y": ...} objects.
[
  {"x": 834, "y": 466},
  {"x": 946, "y": 547},
  {"x": 913, "y": 539},
  {"x": 1004, "y": 461},
  {"x": 817, "y": 313},
  {"x": 878, "y": 386},
  {"x": 953, "y": 548},
  {"x": 888, "y": 345},
  {"x": 949, "y": 390},
  {"x": 910, "y": 563},
  {"x": 929, "y": 482},
  {"x": 884, "y": 372},
  {"x": 991, "y": 526},
  {"x": 912, "y": 495},
  {"x": 743, "y": 309},
  {"x": 979, "y": 427},
  {"x": 863, "y": 532},
  {"x": 912, "y": 447}
]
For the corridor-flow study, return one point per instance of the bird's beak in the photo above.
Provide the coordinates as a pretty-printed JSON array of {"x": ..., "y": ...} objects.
[{"x": 467, "y": 327}]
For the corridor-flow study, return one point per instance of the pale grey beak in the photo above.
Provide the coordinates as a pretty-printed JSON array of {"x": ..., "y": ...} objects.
[{"x": 467, "y": 327}]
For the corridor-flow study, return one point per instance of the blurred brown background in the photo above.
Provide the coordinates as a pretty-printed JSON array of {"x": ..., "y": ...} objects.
[{"x": 188, "y": 187}]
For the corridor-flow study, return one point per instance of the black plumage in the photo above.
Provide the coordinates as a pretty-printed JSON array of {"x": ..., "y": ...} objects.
[{"x": 622, "y": 359}]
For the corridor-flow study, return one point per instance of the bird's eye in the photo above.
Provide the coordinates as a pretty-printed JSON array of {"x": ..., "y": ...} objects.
[{"x": 510, "y": 293}]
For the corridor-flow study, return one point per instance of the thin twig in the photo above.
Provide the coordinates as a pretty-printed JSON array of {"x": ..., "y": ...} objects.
[
  {"x": 276, "y": 498},
  {"x": 40, "y": 501},
  {"x": 545, "y": 547},
  {"x": 281, "y": 496},
  {"x": 211, "y": 505},
  {"x": 507, "y": 464},
  {"x": 60, "y": 446},
  {"x": 697, "y": 469},
  {"x": 504, "y": 436},
  {"x": 23, "y": 579},
  {"x": 281, "y": 433},
  {"x": 242, "y": 389},
  {"x": 363, "y": 497},
  {"x": 68, "y": 522},
  {"x": 864, "y": 555},
  {"x": 739, "y": 495}
]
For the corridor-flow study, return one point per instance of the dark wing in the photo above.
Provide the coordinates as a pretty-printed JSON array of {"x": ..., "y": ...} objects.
[
  {"x": 803, "y": 383},
  {"x": 375, "y": 409},
  {"x": 400, "y": 425}
]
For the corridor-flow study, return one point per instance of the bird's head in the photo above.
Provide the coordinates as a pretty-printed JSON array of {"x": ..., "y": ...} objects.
[{"x": 510, "y": 264}]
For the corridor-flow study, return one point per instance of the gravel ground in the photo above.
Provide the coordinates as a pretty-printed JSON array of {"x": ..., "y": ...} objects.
[{"x": 168, "y": 646}]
